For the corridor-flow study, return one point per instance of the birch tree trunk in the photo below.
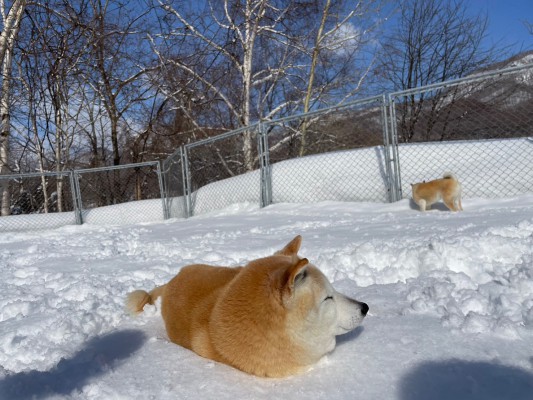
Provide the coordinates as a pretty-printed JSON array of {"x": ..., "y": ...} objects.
[
  {"x": 5, "y": 124},
  {"x": 250, "y": 34},
  {"x": 59, "y": 147},
  {"x": 314, "y": 60},
  {"x": 11, "y": 24}
]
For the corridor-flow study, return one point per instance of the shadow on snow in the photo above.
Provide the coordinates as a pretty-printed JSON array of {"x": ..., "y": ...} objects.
[
  {"x": 458, "y": 379},
  {"x": 98, "y": 356}
]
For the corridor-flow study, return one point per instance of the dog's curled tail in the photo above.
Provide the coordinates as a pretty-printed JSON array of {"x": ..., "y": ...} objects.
[
  {"x": 137, "y": 299},
  {"x": 449, "y": 175}
]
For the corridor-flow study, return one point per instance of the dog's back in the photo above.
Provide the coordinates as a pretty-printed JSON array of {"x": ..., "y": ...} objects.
[
  {"x": 188, "y": 301},
  {"x": 448, "y": 189}
]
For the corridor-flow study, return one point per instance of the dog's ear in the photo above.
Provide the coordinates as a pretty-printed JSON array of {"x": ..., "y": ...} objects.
[
  {"x": 292, "y": 248},
  {"x": 294, "y": 276}
]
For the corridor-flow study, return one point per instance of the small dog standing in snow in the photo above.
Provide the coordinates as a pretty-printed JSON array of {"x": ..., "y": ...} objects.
[{"x": 448, "y": 189}]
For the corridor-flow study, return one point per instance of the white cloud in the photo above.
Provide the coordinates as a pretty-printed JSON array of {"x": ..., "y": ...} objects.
[{"x": 345, "y": 39}]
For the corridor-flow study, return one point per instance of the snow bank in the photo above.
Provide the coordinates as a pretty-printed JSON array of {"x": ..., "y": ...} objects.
[
  {"x": 36, "y": 221},
  {"x": 132, "y": 212},
  {"x": 487, "y": 169}
]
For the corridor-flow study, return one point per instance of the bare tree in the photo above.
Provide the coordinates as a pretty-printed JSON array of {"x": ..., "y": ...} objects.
[
  {"x": 338, "y": 39},
  {"x": 434, "y": 41},
  {"x": 260, "y": 59},
  {"x": 241, "y": 25},
  {"x": 10, "y": 29},
  {"x": 119, "y": 72},
  {"x": 52, "y": 47}
]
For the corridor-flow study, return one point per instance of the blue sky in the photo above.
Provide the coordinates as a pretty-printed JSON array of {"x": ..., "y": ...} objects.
[{"x": 506, "y": 21}]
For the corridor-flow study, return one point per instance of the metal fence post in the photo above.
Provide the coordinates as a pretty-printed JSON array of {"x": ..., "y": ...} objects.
[
  {"x": 186, "y": 178},
  {"x": 76, "y": 196},
  {"x": 386, "y": 148},
  {"x": 166, "y": 213},
  {"x": 264, "y": 165},
  {"x": 393, "y": 150},
  {"x": 165, "y": 181}
]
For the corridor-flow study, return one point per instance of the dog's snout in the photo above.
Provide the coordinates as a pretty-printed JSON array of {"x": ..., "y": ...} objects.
[{"x": 364, "y": 308}]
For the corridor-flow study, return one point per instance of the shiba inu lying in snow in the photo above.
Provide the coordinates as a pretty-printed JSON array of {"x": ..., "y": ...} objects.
[
  {"x": 274, "y": 317},
  {"x": 447, "y": 189}
]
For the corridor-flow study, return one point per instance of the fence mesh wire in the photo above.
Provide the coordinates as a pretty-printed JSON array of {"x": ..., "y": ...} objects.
[
  {"x": 136, "y": 188},
  {"x": 480, "y": 131},
  {"x": 332, "y": 155},
  {"x": 37, "y": 201},
  {"x": 173, "y": 176},
  {"x": 223, "y": 171}
]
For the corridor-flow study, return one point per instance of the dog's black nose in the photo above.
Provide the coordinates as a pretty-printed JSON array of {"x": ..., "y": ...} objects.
[{"x": 364, "y": 308}]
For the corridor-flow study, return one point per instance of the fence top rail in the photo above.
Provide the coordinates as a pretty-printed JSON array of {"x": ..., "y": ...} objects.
[
  {"x": 35, "y": 174},
  {"x": 123, "y": 166},
  {"x": 175, "y": 153},
  {"x": 367, "y": 100},
  {"x": 221, "y": 136},
  {"x": 460, "y": 81},
  {"x": 84, "y": 170},
  {"x": 380, "y": 98},
  {"x": 171, "y": 160}
]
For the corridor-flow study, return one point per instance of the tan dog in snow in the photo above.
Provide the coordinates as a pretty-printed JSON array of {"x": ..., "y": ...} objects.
[
  {"x": 448, "y": 189},
  {"x": 274, "y": 317}
]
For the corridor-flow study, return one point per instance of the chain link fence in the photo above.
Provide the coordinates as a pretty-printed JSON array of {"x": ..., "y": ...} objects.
[
  {"x": 333, "y": 154},
  {"x": 121, "y": 194},
  {"x": 223, "y": 171},
  {"x": 38, "y": 200},
  {"x": 371, "y": 150},
  {"x": 479, "y": 128},
  {"x": 214, "y": 173},
  {"x": 110, "y": 195}
]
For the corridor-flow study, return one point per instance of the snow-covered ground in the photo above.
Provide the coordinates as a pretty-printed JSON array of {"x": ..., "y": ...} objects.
[{"x": 450, "y": 296}]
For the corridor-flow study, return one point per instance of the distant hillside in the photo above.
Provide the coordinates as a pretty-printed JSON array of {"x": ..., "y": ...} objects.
[
  {"x": 517, "y": 60},
  {"x": 497, "y": 107}
]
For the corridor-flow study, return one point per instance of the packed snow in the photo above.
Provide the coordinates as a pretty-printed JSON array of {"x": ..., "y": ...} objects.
[{"x": 450, "y": 296}]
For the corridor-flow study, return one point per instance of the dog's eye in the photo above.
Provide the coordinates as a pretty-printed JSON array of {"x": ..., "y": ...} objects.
[{"x": 328, "y": 298}]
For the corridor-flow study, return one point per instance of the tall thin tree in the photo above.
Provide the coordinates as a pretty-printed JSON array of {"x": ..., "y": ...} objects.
[{"x": 8, "y": 36}]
